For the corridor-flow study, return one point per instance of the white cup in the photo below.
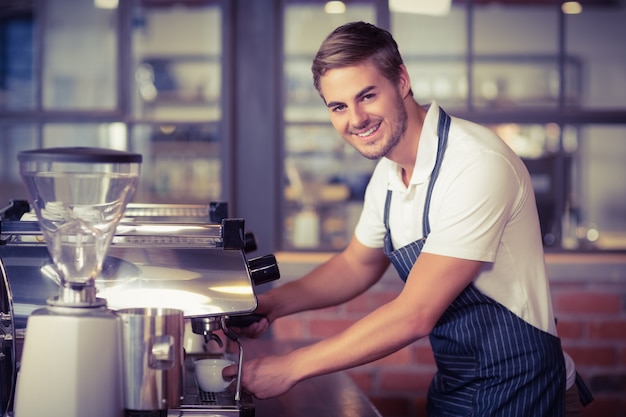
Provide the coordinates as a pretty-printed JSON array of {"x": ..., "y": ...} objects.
[{"x": 209, "y": 374}]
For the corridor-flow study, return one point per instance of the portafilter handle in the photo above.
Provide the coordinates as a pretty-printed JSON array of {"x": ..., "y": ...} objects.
[{"x": 205, "y": 326}]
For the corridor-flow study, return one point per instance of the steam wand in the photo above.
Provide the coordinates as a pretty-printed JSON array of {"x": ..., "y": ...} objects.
[{"x": 235, "y": 338}]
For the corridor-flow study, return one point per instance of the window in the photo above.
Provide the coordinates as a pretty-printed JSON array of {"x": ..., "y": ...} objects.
[
  {"x": 551, "y": 87},
  {"x": 322, "y": 198},
  {"x": 144, "y": 76}
]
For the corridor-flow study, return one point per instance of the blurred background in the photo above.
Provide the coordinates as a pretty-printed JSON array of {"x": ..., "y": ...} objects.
[{"x": 217, "y": 95}]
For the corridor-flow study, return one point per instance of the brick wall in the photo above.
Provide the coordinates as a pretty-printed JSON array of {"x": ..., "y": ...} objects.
[{"x": 589, "y": 298}]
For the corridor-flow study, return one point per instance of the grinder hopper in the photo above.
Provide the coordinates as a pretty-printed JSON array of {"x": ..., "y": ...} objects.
[{"x": 71, "y": 361}]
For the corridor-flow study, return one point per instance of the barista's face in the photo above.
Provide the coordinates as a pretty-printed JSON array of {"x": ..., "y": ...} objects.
[{"x": 366, "y": 108}]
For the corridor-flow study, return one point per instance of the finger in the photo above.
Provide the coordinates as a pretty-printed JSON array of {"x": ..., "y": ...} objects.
[{"x": 230, "y": 371}]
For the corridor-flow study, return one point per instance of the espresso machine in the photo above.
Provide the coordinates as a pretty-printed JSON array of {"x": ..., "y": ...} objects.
[{"x": 78, "y": 256}]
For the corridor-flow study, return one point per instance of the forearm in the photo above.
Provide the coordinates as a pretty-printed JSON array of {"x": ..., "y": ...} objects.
[
  {"x": 410, "y": 316},
  {"x": 373, "y": 337},
  {"x": 329, "y": 284},
  {"x": 340, "y": 279},
  {"x": 435, "y": 281},
  {"x": 382, "y": 332}
]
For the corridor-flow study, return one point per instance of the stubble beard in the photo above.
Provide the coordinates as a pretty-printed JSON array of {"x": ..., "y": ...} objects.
[{"x": 399, "y": 127}]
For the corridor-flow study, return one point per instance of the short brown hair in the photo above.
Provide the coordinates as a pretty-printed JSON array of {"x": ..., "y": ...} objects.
[{"x": 354, "y": 43}]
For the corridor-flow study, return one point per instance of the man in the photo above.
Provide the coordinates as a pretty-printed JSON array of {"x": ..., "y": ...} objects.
[{"x": 453, "y": 209}]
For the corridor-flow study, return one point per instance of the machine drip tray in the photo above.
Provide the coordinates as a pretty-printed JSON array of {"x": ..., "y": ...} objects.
[
  {"x": 209, "y": 404},
  {"x": 215, "y": 405},
  {"x": 199, "y": 403}
]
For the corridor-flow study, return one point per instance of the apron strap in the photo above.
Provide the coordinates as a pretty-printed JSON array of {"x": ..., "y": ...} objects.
[
  {"x": 443, "y": 128},
  {"x": 584, "y": 394},
  {"x": 386, "y": 213}
]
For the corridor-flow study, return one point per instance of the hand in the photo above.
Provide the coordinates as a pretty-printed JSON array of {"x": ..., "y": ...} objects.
[
  {"x": 252, "y": 330},
  {"x": 264, "y": 377},
  {"x": 259, "y": 327}
]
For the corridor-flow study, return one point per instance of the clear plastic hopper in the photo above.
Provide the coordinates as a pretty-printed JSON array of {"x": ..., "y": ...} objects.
[{"x": 79, "y": 195}]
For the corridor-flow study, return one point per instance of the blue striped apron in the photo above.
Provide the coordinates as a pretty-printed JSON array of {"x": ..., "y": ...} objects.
[{"x": 489, "y": 361}]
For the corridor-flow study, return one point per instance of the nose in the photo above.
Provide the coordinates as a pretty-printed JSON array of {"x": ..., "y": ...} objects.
[{"x": 358, "y": 118}]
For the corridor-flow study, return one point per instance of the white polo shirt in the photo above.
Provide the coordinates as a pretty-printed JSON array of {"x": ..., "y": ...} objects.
[{"x": 482, "y": 208}]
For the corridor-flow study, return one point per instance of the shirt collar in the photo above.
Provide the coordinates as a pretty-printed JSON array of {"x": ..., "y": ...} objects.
[{"x": 426, "y": 153}]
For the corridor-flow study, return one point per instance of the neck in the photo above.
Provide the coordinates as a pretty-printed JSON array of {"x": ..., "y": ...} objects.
[
  {"x": 406, "y": 176},
  {"x": 405, "y": 154}
]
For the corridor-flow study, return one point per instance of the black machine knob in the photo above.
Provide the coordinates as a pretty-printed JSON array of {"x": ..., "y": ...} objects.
[
  {"x": 218, "y": 211},
  {"x": 249, "y": 242},
  {"x": 263, "y": 269}
]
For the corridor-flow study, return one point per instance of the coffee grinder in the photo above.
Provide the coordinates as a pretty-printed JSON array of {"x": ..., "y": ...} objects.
[{"x": 72, "y": 362}]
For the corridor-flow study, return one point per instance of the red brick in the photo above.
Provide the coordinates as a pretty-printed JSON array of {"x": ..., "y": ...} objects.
[
  {"x": 288, "y": 328},
  {"x": 323, "y": 328},
  {"x": 420, "y": 406},
  {"x": 570, "y": 329},
  {"x": 585, "y": 302},
  {"x": 609, "y": 329},
  {"x": 424, "y": 355},
  {"x": 594, "y": 356},
  {"x": 605, "y": 407},
  {"x": 566, "y": 286},
  {"x": 363, "y": 379},
  {"x": 404, "y": 381}
]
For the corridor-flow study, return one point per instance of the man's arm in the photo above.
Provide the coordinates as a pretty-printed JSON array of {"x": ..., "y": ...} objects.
[
  {"x": 435, "y": 281},
  {"x": 341, "y": 278}
]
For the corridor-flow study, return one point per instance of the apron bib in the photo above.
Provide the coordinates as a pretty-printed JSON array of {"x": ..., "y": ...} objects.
[{"x": 489, "y": 361}]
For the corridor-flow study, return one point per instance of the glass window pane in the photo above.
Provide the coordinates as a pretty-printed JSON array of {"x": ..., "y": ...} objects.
[
  {"x": 17, "y": 79},
  {"x": 596, "y": 36},
  {"x": 181, "y": 163},
  {"x": 516, "y": 57},
  {"x": 593, "y": 176},
  {"x": 306, "y": 26},
  {"x": 80, "y": 56},
  {"x": 434, "y": 50},
  {"x": 101, "y": 135},
  {"x": 15, "y": 138},
  {"x": 325, "y": 177},
  {"x": 326, "y": 180},
  {"x": 539, "y": 145},
  {"x": 177, "y": 62},
  {"x": 598, "y": 202}
]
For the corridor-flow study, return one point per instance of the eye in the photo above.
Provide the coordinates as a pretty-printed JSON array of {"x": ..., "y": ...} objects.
[
  {"x": 368, "y": 97},
  {"x": 338, "y": 108}
]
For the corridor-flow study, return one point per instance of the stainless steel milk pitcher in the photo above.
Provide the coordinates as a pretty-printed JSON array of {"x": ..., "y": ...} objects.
[{"x": 153, "y": 357}]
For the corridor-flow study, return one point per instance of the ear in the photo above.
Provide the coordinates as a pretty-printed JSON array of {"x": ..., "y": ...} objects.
[{"x": 404, "y": 81}]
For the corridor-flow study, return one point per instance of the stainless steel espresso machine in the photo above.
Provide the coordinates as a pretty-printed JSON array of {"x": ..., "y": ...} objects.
[{"x": 190, "y": 258}]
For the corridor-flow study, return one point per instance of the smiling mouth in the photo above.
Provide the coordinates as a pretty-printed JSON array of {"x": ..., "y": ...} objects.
[{"x": 369, "y": 131}]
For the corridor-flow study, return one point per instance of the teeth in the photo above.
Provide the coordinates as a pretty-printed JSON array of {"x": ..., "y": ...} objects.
[{"x": 369, "y": 132}]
